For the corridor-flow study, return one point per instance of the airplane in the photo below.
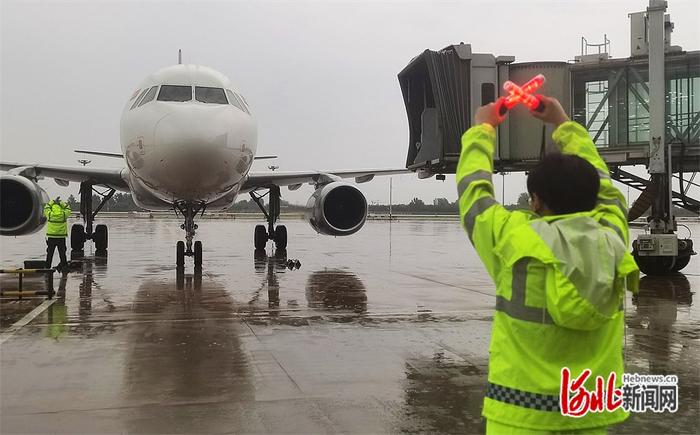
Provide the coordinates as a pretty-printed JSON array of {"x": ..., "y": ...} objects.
[{"x": 188, "y": 140}]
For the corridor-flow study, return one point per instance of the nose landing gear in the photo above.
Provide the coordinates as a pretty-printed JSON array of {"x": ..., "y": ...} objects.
[
  {"x": 189, "y": 209},
  {"x": 279, "y": 234}
]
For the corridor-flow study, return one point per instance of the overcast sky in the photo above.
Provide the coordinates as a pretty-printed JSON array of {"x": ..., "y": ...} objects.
[{"x": 320, "y": 76}]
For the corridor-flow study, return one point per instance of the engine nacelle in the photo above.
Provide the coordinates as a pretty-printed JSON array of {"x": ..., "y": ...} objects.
[
  {"x": 337, "y": 209},
  {"x": 21, "y": 205}
]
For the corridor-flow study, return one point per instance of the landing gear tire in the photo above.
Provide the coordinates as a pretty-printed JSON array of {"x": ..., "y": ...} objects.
[
  {"x": 681, "y": 262},
  {"x": 260, "y": 237},
  {"x": 77, "y": 237},
  {"x": 685, "y": 252},
  {"x": 198, "y": 254},
  {"x": 100, "y": 238},
  {"x": 664, "y": 265},
  {"x": 656, "y": 265},
  {"x": 281, "y": 237},
  {"x": 82, "y": 232},
  {"x": 180, "y": 254},
  {"x": 272, "y": 213},
  {"x": 189, "y": 210}
]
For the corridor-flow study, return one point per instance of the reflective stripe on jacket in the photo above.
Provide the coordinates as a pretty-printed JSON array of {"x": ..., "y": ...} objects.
[
  {"x": 57, "y": 217},
  {"x": 560, "y": 283}
]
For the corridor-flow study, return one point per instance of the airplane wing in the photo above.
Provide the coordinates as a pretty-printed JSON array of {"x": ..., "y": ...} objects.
[
  {"x": 121, "y": 156},
  {"x": 62, "y": 174},
  {"x": 100, "y": 153},
  {"x": 295, "y": 179},
  {"x": 113, "y": 177}
]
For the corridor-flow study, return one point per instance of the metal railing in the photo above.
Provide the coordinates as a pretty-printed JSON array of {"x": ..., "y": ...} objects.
[{"x": 20, "y": 292}]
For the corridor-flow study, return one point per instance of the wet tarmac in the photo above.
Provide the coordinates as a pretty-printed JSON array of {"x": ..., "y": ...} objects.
[{"x": 383, "y": 331}]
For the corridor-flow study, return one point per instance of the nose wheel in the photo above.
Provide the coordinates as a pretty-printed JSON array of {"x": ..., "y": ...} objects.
[
  {"x": 189, "y": 248},
  {"x": 181, "y": 253},
  {"x": 277, "y": 234}
]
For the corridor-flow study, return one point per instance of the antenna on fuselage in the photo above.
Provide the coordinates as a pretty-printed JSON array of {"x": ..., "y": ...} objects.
[{"x": 179, "y": 56}]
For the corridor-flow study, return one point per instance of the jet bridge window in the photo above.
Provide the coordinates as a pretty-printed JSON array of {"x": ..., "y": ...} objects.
[
  {"x": 205, "y": 94},
  {"x": 175, "y": 93},
  {"x": 149, "y": 96},
  {"x": 233, "y": 99}
]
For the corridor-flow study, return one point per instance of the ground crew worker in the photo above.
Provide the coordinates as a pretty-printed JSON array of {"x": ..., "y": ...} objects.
[
  {"x": 560, "y": 270},
  {"x": 57, "y": 213}
]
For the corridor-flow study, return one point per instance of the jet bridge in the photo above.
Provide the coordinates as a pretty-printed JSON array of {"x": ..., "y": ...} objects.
[{"x": 640, "y": 110}]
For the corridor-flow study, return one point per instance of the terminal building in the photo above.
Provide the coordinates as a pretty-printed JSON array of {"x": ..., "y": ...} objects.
[{"x": 639, "y": 110}]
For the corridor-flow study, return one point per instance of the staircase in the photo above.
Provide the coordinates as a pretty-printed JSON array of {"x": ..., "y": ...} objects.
[{"x": 679, "y": 199}]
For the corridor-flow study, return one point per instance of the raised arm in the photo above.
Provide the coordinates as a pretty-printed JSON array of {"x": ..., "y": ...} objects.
[
  {"x": 482, "y": 217},
  {"x": 66, "y": 209},
  {"x": 47, "y": 209}
]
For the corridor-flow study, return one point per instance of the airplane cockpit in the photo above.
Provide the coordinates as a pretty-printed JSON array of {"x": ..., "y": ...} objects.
[
  {"x": 183, "y": 93},
  {"x": 175, "y": 93}
]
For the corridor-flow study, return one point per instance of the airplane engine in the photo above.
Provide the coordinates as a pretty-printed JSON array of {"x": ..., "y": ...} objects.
[
  {"x": 337, "y": 209},
  {"x": 21, "y": 205}
]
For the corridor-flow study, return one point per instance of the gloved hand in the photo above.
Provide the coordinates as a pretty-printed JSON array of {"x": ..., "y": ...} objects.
[
  {"x": 553, "y": 113},
  {"x": 488, "y": 114}
]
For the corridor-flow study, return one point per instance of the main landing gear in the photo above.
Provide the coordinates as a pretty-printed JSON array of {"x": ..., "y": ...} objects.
[
  {"x": 189, "y": 209},
  {"x": 279, "y": 234},
  {"x": 79, "y": 233}
]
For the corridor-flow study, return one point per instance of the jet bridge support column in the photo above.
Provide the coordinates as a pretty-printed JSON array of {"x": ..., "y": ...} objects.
[
  {"x": 662, "y": 220},
  {"x": 660, "y": 251}
]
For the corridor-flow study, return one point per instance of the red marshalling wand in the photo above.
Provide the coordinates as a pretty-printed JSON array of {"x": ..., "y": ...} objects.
[{"x": 521, "y": 94}]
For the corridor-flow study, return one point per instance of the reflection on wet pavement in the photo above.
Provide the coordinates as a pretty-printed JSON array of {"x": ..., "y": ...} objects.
[
  {"x": 197, "y": 359},
  {"x": 444, "y": 394},
  {"x": 335, "y": 289},
  {"x": 384, "y": 331},
  {"x": 662, "y": 337}
]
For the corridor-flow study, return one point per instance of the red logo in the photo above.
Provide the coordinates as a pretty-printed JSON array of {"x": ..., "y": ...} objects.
[{"x": 576, "y": 401}]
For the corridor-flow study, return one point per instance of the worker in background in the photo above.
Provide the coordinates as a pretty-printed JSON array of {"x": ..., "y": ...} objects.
[
  {"x": 57, "y": 213},
  {"x": 561, "y": 270}
]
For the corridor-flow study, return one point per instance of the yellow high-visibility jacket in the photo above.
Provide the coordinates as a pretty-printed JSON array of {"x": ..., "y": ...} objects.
[
  {"x": 560, "y": 284},
  {"x": 57, "y": 217}
]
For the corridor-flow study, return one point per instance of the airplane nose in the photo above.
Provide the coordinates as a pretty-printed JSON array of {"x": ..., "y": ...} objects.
[
  {"x": 195, "y": 128},
  {"x": 195, "y": 147}
]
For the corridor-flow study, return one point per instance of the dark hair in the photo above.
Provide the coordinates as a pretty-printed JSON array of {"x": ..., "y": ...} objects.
[{"x": 565, "y": 183}]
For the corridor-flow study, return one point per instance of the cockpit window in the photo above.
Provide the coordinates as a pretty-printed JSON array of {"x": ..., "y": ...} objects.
[
  {"x": 205, "y": 94},
  {"x": 245, "y": 103},
  {"x": 175, "y": 93},
  {"x": 136, "y": 93},
  {"x": 139, "y": 98},
  {"x": 235, "y": 101},
  {"x": 244, "y": 100},
  {"x": 149, "y": 96}
]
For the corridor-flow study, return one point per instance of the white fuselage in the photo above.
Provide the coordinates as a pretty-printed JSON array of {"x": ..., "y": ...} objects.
[{"x": 187, "y": 135}]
